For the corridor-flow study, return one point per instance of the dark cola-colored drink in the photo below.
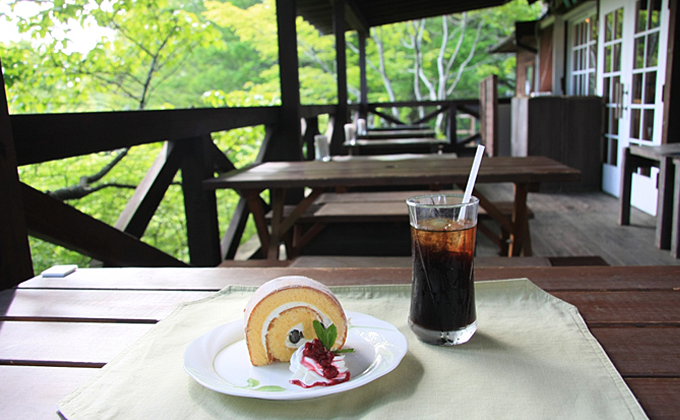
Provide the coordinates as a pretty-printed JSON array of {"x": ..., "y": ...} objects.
[{"x": 443, "y": 292}]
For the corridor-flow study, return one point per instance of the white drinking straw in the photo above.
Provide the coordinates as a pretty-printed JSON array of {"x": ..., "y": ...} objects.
[{"x": 472, "y": 179}]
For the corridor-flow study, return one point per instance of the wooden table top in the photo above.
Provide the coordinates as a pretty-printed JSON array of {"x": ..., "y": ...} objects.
[
  {"x": 656, "y": 152},
  {"x": 394, "y": 134},
  {"x": 56, "y": 333},
  {"x": 405, "y": 141},
  {"x": 368, "y": 172}
]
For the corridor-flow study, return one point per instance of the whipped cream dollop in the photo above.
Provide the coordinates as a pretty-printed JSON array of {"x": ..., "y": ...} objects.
[{"x": 310, "y": 369}]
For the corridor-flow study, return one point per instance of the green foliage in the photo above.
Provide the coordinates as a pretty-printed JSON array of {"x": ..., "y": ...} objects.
[{"x": 164, "y": 54}]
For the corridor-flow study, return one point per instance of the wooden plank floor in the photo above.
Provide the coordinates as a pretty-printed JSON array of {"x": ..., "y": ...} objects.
[{"x": 574, "y": 224}]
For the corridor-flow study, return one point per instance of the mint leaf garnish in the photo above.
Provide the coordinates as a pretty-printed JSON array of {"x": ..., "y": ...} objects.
[
  {"x": 343, "y": 351},
  {"x": 327, "y": 336},
  {"x": 323, "y": 334}
]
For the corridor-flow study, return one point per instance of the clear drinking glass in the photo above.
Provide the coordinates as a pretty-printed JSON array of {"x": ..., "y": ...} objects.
[
  {"x": 443, "y": 235},
  {"x": 321, "y": 148}
]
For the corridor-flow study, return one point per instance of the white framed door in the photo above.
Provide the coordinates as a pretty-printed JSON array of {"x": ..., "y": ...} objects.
[{"x": 631, "y": 75}]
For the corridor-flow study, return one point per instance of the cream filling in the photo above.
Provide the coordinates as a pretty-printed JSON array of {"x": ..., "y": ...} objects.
[{"x": 276, "y": 312}]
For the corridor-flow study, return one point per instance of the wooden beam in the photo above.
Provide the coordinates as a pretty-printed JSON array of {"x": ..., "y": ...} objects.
[
  {"x": 237, "y": 224},
  {"x": 311, "y": 130},
  {"x": 429, "y": 116},
  {"x": 452, "y": 125},
  {"x": 220, "y": 160},
  {"x": 388, "y": 118},
  {"x": 363, "y": 83},
  {"x": 200, "y": 206},
  {"x": 150, "y": 192},
  {"x": 58, "y": 223},
  {"x": 354, "y": 18},
  {"x": 15, "y": 253},
  {"x": 44, "y": 137},
  {"x": 287, "y": 141},
  {"x": 341, "y": 64}
]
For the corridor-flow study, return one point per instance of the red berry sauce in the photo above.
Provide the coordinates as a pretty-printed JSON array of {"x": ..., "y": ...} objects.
[{"x": 320, "y": 360}]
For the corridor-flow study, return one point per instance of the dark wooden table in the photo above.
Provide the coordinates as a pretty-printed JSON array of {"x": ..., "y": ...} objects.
[
  {"x": 397, "y": 134},
  {"x": 56, "y": 333},
  {"x": 395, "y": 145},
  {"x": 636, "y": 156},
  {"x": 526, "y": 173}
]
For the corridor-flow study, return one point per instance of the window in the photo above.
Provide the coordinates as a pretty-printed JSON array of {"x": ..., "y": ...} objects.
[
  {"x": 582, "y": 55},
  {"x": 645, "y": 67}
]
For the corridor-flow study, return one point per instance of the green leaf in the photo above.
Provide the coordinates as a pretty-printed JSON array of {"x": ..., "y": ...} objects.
[
  {"x": 331, "y": 335},
  {"x": 270, "y": 388},
  {"x": 321, "y": 333},
  {"x": 327, "y": 336},
  {"x": 341, "y": 351},
  {"x": 252, "y": 382}
]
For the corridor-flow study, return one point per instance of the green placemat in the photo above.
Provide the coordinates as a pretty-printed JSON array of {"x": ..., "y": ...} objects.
[{"x": 531, "y": 358}]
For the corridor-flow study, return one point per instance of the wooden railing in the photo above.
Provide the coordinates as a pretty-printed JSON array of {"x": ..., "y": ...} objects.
[
  {"x": 424, "y": 113},
  {"x": 189, "y": 148}
]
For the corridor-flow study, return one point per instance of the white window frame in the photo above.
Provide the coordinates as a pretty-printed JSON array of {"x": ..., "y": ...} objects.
[{"x": 571, "y": 20}]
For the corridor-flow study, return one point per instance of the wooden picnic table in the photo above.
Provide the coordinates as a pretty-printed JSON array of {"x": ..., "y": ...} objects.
[
  {"x": 55, "y": 334},
  {"x": 395, "y": 145},
  {"x": 397, "y": 134},
  {"x": 526, "y": 173}
]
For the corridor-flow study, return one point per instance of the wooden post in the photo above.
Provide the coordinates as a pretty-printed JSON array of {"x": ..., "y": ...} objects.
[
  {"x": 341, "y": 59},
  {"x": 200, "y": 205},
  {"x": 15, "y": 254},
  {"x": 363, "y": 101},
  {"x": 488, "y": 112},
  {"x": 452, "y": 126},
  {"x": 675, "y": 234},
  {"x": 311, "y": 130},
  {"x": 287, "y": 141},
  {"x": 671, "y": 97}
]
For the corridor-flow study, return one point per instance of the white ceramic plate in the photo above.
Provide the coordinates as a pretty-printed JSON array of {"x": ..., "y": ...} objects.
[{"x": 219, "y": 361}]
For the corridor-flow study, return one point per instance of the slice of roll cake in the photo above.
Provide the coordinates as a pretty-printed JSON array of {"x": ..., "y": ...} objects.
[{"x": 279, "y": 316}]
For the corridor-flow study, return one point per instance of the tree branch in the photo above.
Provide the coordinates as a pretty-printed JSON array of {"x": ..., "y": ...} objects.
[
  {"x": 85, "y": 187},
  {"x": 76, "y": 192}
]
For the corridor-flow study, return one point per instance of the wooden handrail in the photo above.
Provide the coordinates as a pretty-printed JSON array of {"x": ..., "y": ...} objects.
[{"x": 44, "y": 137}]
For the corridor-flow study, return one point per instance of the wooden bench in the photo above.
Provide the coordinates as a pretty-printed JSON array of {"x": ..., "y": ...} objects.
[{"x": 381, "y": 207}]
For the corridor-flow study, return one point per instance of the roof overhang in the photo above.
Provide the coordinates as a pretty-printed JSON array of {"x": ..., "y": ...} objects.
[
  {"x": 361, "y": 15},
  {"x": 524, "y": 38}
]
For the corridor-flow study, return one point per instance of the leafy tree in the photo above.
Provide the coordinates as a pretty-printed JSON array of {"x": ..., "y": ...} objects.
[
  {"x": 152, "y": 44},
  {"x": 167, "y": 54}
]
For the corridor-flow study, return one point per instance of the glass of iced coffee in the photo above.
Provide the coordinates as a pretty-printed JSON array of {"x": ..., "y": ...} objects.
[{"x": 443, "y": 234}]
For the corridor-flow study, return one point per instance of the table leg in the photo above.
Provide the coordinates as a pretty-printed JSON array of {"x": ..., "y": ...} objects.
[
  {"x": 664, "y": 208},
  {"x": 519, "y": 221},
  {"x": 498, "y": 216},
  {"x": 277, "y": 201},
  {"x": 624, "y": 196},
  {"x": 281, "y": 224},
  {"x": 675, "y": 235},
  {"x": 257, "y": 210}
]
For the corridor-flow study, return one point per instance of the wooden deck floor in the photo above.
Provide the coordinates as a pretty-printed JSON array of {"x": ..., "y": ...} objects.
[
  {"x": 576, "y": 224},
  {"x": 569, "y": 225}
]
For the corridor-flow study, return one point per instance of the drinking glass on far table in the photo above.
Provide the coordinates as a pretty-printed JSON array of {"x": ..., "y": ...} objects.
[
  {"x": 443, "y": 234},
  {"x": 321, "y": 148}
]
